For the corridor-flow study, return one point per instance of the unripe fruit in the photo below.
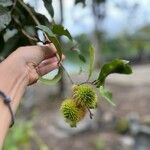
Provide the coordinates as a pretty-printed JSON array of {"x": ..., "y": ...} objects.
[
  {"x": 71, "y": 112},
  {"x": 85, "y": 96},
  {"x": 94, "y": 104},
  {"x": 82, "y": 112}
]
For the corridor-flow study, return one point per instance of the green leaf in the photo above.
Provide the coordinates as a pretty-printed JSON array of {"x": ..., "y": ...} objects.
[
  {"x": 60, "y": 30},
  {"x": 53, "y": 81},
  {"x": 107, "y": 95},
  {"x": 116, "y": 66},
  {"x": 100, "y": 1},
  {"x": 5, "y": 17},
  {"x": 82, "y": 58},
  {"x": 42, "y": 19},
  {"x": 46, "y": 30},
  {"x": 92, "y": 57},
  {"x": 80, "y": 1},
  {"x": 6, "y": 3},
  {"x": 43, "y": 147},
  {"x": 52, "y": 37},
  {"x": 49, "y": 7},
  {"x": 79, "y": 53},
  {"x": 8, "y": 48}
]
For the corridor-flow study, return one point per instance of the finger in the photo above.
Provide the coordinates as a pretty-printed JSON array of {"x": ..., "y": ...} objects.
[
  {"x": 36, "y": 54},
  {"x": 46, "y": 69},
  {"x": 48, "y": 61},
  {"x": 50, "y": 50}
]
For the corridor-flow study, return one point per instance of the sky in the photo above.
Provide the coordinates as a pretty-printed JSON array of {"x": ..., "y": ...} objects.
[{"x": 80, "y": 20}]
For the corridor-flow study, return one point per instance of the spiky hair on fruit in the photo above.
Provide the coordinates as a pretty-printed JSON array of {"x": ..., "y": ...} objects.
[
  {"x": 85, "y": 95},
  {"x": 71, "y": 112}
]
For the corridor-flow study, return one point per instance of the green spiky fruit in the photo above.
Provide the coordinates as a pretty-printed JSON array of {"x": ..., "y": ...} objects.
[
  {"x": 85, "y": 95},
  {"x": 71, "y": 112},
  {"x": 82, "y": 112}
]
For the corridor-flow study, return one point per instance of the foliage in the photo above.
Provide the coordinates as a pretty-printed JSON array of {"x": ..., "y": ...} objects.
[
  {"x": 21, "y": 136},
  {"x": 53, "y": 38},
  {"x": 107, "y": 95},
  {"x": 80, "y": 95},
  {"x": 80, "y": 1},
  {"x": 100, "y": 144},
  {"x": 49, "y": 7},
  {"x": 117, "y": 47},
  {"x": 116, "y": 66},
  {"x": 92, "y": 57},
  {"x": 122, "y": 125},
  {"x": 25, "y": 32},
  {"x": 60, "y": 30},
  {"x": 5, "y": 17},
  {"x": 126, "y": 46},
  {"x": 54, "y": 80},
  {"x": 15, "y": 27}
]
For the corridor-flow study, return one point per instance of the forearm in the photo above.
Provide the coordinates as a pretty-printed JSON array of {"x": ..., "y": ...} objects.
[
  {"x": 20, "y": 69},
  {"x": 13, "y": 83}
]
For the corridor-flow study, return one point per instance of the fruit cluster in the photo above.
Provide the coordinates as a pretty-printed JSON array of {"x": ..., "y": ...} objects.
[{"x": 74, "y": 109}]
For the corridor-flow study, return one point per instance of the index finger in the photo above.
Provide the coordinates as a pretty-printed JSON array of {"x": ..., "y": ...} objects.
[{"x": 50, "y": 50}]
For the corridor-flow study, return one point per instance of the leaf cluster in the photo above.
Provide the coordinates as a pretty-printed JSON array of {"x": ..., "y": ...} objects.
[
  {"x": 116, "y": 66},
  {"x": 19, "y": 20},
  {"x": 17, "y": 25}
]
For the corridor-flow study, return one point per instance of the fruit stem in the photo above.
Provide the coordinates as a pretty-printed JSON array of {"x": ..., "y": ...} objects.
[
  {"x": 72, "y": 82},
  {"x": 14, "y": 5},
  {"x": 91, "y": 115},
  {"x": 87, "y": 82},
  {"x": 29, "y": 11}
]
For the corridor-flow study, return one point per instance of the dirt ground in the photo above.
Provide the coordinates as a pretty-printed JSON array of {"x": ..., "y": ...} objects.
[{"x": 132, "y": 98}]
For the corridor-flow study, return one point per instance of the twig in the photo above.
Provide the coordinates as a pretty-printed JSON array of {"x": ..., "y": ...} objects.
[
  {"x": 94, "y": 82},
  {"x": 35, "y": 38},
  {"x": 33, "y": 17},
  {"x": 86, "y": 82},
  {"x": 74, "y": 47},
  {"x": 29, "y": 36},
  {"x": 25, "y": 33},
  {"x": 14, "y": 5},
  {"x": 30, "y": 12},
  {"x": 66, "y": 72},
  {"x": 47, "y": 39},
  {"x": 91, "y": 115}
]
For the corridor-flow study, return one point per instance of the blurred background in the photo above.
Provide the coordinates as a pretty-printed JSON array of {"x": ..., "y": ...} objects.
[{"x": 117, "y": 29}]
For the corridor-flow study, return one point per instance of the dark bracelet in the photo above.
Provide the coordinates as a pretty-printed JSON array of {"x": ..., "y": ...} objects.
[{"x": 7, "y": 101}]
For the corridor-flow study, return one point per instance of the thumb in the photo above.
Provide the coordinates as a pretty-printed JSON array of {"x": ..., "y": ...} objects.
[{"x": 36, "y": 54}]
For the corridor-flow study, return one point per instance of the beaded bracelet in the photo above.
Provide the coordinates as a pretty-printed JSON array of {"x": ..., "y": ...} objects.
[{"x": 7, "y": 101}]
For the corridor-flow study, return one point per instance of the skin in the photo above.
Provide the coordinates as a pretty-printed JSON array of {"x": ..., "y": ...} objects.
[{"x": 22, "y": 68}]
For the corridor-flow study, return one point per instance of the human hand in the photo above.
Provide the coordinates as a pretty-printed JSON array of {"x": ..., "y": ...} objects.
[
  {"x": 21, "y": 68},
  {"x": 36, "y": 61}
]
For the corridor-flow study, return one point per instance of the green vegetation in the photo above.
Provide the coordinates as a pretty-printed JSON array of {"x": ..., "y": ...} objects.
[
  {"x": 100, "y": 144},
  {"x": 122, "y": 125},
  {"x": 21, "y": 136}
]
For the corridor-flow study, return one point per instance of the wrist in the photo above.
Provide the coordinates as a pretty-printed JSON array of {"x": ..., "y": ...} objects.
[
  {"x": 12, "y": 70},
  {"x": 13, "y": 81}
]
